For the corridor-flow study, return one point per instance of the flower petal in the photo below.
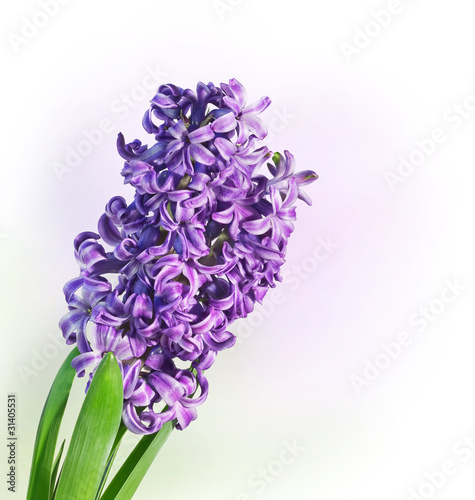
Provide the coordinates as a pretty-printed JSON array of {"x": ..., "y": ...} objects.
[
  {"x": 239, "y": 92},
  {"x": 257, "y": 107},
  {"x": 86, "y": 362},
  {"x": 259, "y": 226},
  {"x": 225, "y": 123},
  {"x": 166, "y": 386},
  {"x": 226, "y": 148},
  {"x": 201, "y": 134},
  {"x": 201, "y": 154},
  {"x": 255, "y": 125}
]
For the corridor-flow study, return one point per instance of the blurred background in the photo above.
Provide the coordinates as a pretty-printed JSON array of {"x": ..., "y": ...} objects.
[{"x": 355, "y": 379}]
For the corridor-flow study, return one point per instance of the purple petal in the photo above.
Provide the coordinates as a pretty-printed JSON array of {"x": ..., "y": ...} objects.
[
  {"x": 158, "y": 361},
  {"x": 305, "y": 197},
  {"x": 163, "y": 101},
  {"x": 108, "y": 231},
  {"x": 305, "y": 177},
  {"x": 187, "y": 381},
  {"x": 142, "y": 394},
  {"x": 186, "y": 159},
  {"x": 255, "y": 125},
  {"x": 232, "y": 104},
  {"x": 175, "y": 333},
  {"x": 156, "y": 251},
  {"x": 201, "y": 134},
  {"x": 103, "y": 338},
  {"x": 142, "y": 307},
  {"x": 178, "y": 131},
  {"x": 225, "y": 123},
  {"x": 199, "y": 180},
  {"x": 71, "y": 323},
  {"x": 225, "y": 216},
  {"x": 219, "y": 341},
  {"x": 137, "y": 344},
  {"x": 267, "y": 252},
  {"x": 203, "y": 383},
  {"x": 257, "y": 107},
  {"x": 173, "y": 147},
  {"x": 84, "y": 236},
  {"x": 201, "y": 154},
  {"x": 205, "y": 361},
  {"x": 89, "y": 253},
  {"x": 71, "y": 287},
  {"x": 239, "y": 91},
  {"x": 292, "y": 193},
  {"x": 125, "y": 250},
  {"x": 225, "y": 147},
  {"x": 103, "y": 316},
  {"x": 86, "y": 362},
  {"x": 228, "y": 193},
  {"x": 135, "y": 423},
  {"x": 96, "y": 285},
  {"x": 206, "y": 324},
  {"x": 184, "y": 416},
  {"x": 192, "y": 345},
  {"x": 123, "y": 350},
  {"x": 166, "y": 386},
  {"x": 259, "y": 226},
  {"x": 131, "y": 376}
]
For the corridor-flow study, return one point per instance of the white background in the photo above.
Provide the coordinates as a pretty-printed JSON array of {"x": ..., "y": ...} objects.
[{"x": 349, "y": 114}]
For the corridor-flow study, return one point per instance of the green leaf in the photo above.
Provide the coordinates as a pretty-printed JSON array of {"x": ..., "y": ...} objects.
[
  {"x": 54, "y": 473},
  {"x": 115, "y": 447},
  {"x": 48, "y": 429},
  {"x": 130, "y": 475},
  {"x": 94, "y": 434}
]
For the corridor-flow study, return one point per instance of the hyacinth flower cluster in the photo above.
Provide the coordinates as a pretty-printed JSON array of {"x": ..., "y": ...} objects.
[{"x": 202, "y": 241}]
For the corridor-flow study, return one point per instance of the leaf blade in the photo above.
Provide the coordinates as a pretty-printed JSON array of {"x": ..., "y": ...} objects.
[
  {"x": 128, "y": 478},
  {"x": 110, "y": 461},
  {"x": 54, "y": 473},
  {"x": 94, "y": 434},
  {"x": 48, "y": 429}
]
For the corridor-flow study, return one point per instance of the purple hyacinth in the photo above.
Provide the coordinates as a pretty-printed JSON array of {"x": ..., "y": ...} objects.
[{"x": 202, "y": 242}]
